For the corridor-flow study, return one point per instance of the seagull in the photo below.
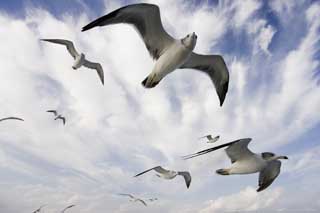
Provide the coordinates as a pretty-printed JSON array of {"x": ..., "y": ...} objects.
[
  {"x": 39, "y": 209},
  {"x": 134, "y": 199},
  {"x": 169, "y": 174},
  {"x": 169, "y": 53},
  {"x": 79, "y": 58},
  {"x": 58, "y": 116},
  {"x": 210, "y": 139},
  {"x": 152, "y": 199},
  {"x": 68, "y": 207},
  {"x": 11, "y": 118},
  {"x": 246, "y": 162}
]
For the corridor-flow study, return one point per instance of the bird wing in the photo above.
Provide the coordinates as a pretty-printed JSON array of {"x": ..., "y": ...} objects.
[
  {"x": 146, "y": 19},
  {"x": 212, "y": 149},
  {"x": 53, "y": 111},
  {"x": 239, "y": 150},
  {"x": 11, "y": 118},
  {"x": 269, "y": 174},
  {"x": 158, "y": 169},
  {"x": 215, "y": 67},
  {"x": 61, "y": 118},
  {"x": 142, "y": 201},
  {"x": 97, "y": 67},
  {"x": 129, "y": 195},
  {"x": 70, "y": 47},
  {"x": 68, "y": 207},
  {"x": 187, "y": 177},
  {"x": 206, "y": 136}
]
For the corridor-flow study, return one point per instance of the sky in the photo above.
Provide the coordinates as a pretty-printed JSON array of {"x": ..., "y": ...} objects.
[{"x": 120, "y": 129}]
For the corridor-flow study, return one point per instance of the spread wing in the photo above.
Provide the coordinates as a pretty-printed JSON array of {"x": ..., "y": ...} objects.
[
  {"x": 146, "y": 19},
  {"x": 68, "y": 207},
  {"x": 187, "y": 177},
  {"x": 70, "y": 47},
  {"x": 213, "y": 149},
  {"x": 158, "y": 169},
  {"x": 128, "y": 195},
  {"x": 97, "y": 67},
  {"x": 142, "y": 201},
  {"x": 239, "y": 150},
  {"x": 62, "y": 118},
  {"x": 215, "y": 67},
  {"x": 53, "y": 111},
  {"x": 269, "y": 174},
  {"x": 11, "y": 118}
]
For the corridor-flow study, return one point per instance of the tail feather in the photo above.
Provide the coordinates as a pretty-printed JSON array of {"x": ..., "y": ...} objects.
[
  {"x": 148, "y": 83},
  {"x": 222, "y": 172}
]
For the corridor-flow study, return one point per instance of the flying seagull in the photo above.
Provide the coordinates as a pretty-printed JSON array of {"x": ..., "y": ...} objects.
[
  {"x": 210, "y": 139},
  {"x": 58, "y": 116},
  {"x": 39, "y": 209},
  {"x": 68, "y": 207},
  {"x": 169, "y": 53},
  {"x": 134, "y": 199},
  {"x": 169, "y": 174},
  {"x": 11, "y": 118},
  {"x": 246, "y": 162},
  {"x": 79, "y": 58}
]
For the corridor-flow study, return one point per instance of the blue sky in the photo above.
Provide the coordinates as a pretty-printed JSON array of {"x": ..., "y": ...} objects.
[{"x": 117, "y": 130}]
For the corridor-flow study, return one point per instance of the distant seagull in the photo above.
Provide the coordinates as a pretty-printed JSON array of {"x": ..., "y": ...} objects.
[
  {"x": 68, "y": 207},
  {"x": 152, "y": 199},
  {"x": 169, "y": 174},
  {"x": 58, "y": 116},
  {"x": 11, "y": 118},
  {"x": 39, "y": 209},
  {"x": 134, "y": 199},
  {"x": 169, "y": 53},
  {"x": 79, "y": 58},
  {"x": 210, "y": 139},
  {"x": 246, "y": 162}
]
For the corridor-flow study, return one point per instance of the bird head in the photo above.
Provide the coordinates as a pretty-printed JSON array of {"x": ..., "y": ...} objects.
[{"x": 190, "y": 41}]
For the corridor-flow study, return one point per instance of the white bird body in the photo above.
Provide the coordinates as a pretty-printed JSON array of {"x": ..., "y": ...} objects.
[
  {"x": 248, "y": 165},
  {"x": 168, "y": 175},
  {"x": 79, "y": 61},
  {"x": 171, "y": 59}
]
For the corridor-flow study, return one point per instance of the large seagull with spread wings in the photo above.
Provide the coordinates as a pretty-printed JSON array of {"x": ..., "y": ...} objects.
[{"x": 169, "y": 53}]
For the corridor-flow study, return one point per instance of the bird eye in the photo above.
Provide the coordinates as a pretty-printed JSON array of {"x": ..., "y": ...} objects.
[
  {"x": 196, "y": 37},
  {"x": 187, "y": 36}
]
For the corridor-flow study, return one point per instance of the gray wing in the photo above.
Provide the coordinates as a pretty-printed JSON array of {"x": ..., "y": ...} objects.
[
  {"x": 62, "y": 118},
  {"x": 142, "y": 201},
  {"x": 187, "y": 177},
  {"x": 53, "y": 111},
  {"x": 97, "y": 67},
  {"x": 239, "y": 150},
  {"x": 269, "y": 174},
  {"x": 129, "y": 195},
  {"x": 70, "y": 47},
  {"x": 11, "y": 118},
  {"x": 157, "y": 169},
  {"x": 146, "y": 19},
  {"x": 68, "y": 207},
  {"x": 39, "y": 209},
  {"x": 215, "y": 67},
  {"x": 206, "y": 151}
]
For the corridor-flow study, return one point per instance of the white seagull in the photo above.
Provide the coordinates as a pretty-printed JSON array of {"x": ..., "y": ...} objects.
[
  {"x": 169, "y": 174},
  {"x": 79, "y": 58},
  {"x": 246, "y": 162},
  {"x": 169, "y": 53},
  {"x": 58, "y": 116},
  {"x": 68, "y": 207},
  {"x": 134, "y": 199},
  {"x": 211, "y": 139},
  {"x": 11, "y": 118}
]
